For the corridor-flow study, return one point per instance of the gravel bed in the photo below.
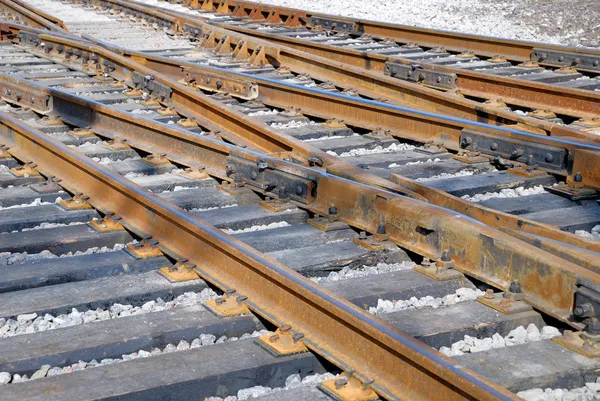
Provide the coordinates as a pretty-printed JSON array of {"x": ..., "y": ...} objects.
[
  {"x": 364, "y": 271},
  {"x": 460, "y": 295},
  {"x": 506, "y": 193},
  {"x": 199, "y": 342},
  {"x": 593, "y": 234},
  {"x": 292, "y": 382},
  {"x": 591, "y": 391},
  {"x": 395, "y": 147},
  {"x": 520, "y": 335},
  {"x": 32, "y": 323},
  {"x": 9, "y": 258},
  {"x": 262, "y": 227}
]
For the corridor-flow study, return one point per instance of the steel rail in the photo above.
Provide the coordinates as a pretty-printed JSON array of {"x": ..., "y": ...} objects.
[
  {"x": 517, "y": 50},
  {"x": 30, "y": 16},
  {"x": 369, "y": 84},
  {"x": 273, "y": 92},
  {"x": 549, "y": 282},
  {"x": 562, "y": 101},
  {"x": 542, "y": 96},
  {"x": 400, "y": 366}
]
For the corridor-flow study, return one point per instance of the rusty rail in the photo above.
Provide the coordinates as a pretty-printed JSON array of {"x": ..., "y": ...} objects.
[
  {"x": 560, "y": 100},
  {"x": 331, "y": 326},
  {"x": 19, "y": 12},
  {"x": 549, "y": 282},
  {"x": 317, "y": 102},
  {"x": 517, "y": 50}
]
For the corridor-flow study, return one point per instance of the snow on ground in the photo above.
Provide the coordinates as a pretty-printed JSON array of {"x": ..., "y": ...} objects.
[{"x": 567, "y": 22}]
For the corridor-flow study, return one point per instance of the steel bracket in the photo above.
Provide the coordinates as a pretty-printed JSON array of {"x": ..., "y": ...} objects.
[
  {"x": 505, "y": 303},
  {"x": 194, "y": 173},
  {"x": 17, "y": 94},
  {"x": 348, "y": 387},
  {"x": 239, "y": 88},
  {"x": 579, "y": 342},
  {"x": 26, "y": 170},
  {"x": 417, "y": 73},
  {"x": 267, "y": 176},
  {"x": 148, "y": 83},
  {"x": 144, "y": 249},
  {"x": 573, "y": 192},
  {"x": 29, "y": 38},
  {"x": 110, "y": 222},
  {"x": 229, "y": 304},
  {"x": 544, "y": 156},
  {"x": 557, "y": 57},
  {"x": 181, "y": 271},
  {"x": 372, "y": 244},
  {"x": 440, "y": 271},
  {"x": 283, "y": 342},
  {"x": 335, "y": 24},
  {"x": 326, "y": 225},
  {"x": 76, "y": 202}
]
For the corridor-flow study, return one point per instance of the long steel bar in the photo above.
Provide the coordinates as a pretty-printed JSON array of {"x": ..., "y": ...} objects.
[
  {"x": 401, "y": 367},
  {"x": 368, "y": 114},
  {"x": 548, "y": 281},
  {"x": 22, "y": 13},
  {"x": 316, "y": 102},
  {"x": 518, "y": 50}
]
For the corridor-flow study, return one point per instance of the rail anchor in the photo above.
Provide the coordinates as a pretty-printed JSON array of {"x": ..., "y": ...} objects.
[
  {"x": 349, "y": 388},
  {"x": 229, "y": 304},
  {"x": 283, "y": 342}
]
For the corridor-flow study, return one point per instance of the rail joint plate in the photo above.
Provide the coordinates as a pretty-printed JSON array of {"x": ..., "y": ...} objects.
[
  {"x": 557, "y": 57},
  {"x": 544, "y": 156},
  {"x": 335, "y": 24},
  {"x": 416, "y": 73}
]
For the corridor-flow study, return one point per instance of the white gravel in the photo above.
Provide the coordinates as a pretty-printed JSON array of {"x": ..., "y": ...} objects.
[
  {"x": 202, "y": 341},
  {"x": 428, "y": 161},
  {"x": 506, "y": 193},
  {"x": 68, "y": 13},
  {"x": 36, "y": 202},
  {"x": 45, "y": 226},
  {"x": 292, "y": 382},
  {"x": 9, "y": 258},
  {"x": 462, "y": 173},
  {"x": 591, "y": 391},
  {"x": 593, "y": 234},
  {"x": 460, "y": 295},
  {"x": 394, "y": 147},
  {"x": 32, "y": 323},
  {"x": 364, "y": 271},
  {"x": 263, "y": 113},
  {"x": 520, "y": 335},
  {"x": 258, "y": 228},
  {"x": 552, "y": 21},
  {"x": 292, "y": 124}
]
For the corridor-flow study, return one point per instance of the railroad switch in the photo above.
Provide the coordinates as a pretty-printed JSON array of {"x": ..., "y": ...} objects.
[
  {"x": 26, "y": 170},
  {"x": 181, "y": 271},
  {"x": 110, "y": 222},
  {"x": 586, "y": 342},
  {"x": 76, "y": 202},
  {"x": 509, "y": 302},
  {"x": 283, "y": 342},
  {"x": 230, "y": 304},
  {"x": 442, "y": 270},
  {"x": 144, "y": 249},
  {"x": 349, "y": 388}
]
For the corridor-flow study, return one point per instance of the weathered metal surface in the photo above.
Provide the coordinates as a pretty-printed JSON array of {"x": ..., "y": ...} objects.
[
  {"x": 481, "y": 45},
  {"x": 89, "y": 114},
  {"x": 394, "y": 364},
  {"x": 18, "y": 12}
]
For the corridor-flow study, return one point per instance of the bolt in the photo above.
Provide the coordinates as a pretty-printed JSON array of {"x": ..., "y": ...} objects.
[
  {"x": 341, "y": 382},
  {"x": 549, "y": 157},
  {"x": 285, "y": 328},
  {"x": 299, "y": 189},
  {"x": 494, "y": 146},
  {"x": 425, "y": 262},
  {"x": 381, "y": 228},
  {"x": 489, "y": 294},
  {"x": 254, "y": 175},
  {"x": 446, "y": 256},
  {"x": 362, "y": 236},
  {"x": 297, "y": 337},
  {"x": 578, "y": 177},
  {"x": 282, "y": 193},
  {"x": 333, "y": 210},
  {"x": 230, "y": 291},
  {"x": 584, "y": 310},
  {"x": 515, "y": 287},
  {"x": 220, "y": 301},
  {"x": 466, "y": 141}
]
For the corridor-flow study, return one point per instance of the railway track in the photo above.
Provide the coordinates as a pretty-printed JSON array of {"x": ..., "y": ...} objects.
[
  {"x": 575, "y": 109},
  {"x": 369, "y": 275},
  {"x": 151, "y": 161},
  {"x": 443, "y": 60}
]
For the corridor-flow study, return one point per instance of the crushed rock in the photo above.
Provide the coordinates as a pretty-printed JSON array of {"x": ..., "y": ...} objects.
[
  {"x": 593, "y": 234},
  {"x": 591, "y": 391},
  {"x": 258, "y": 228},
  {"x": 364, "y": 271},
  {"x": 460, "y": 295},
  {"x": 395, "y": 147},
  {"x": 506, "y": 193},
  {"x": 520, "y": 335}
]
